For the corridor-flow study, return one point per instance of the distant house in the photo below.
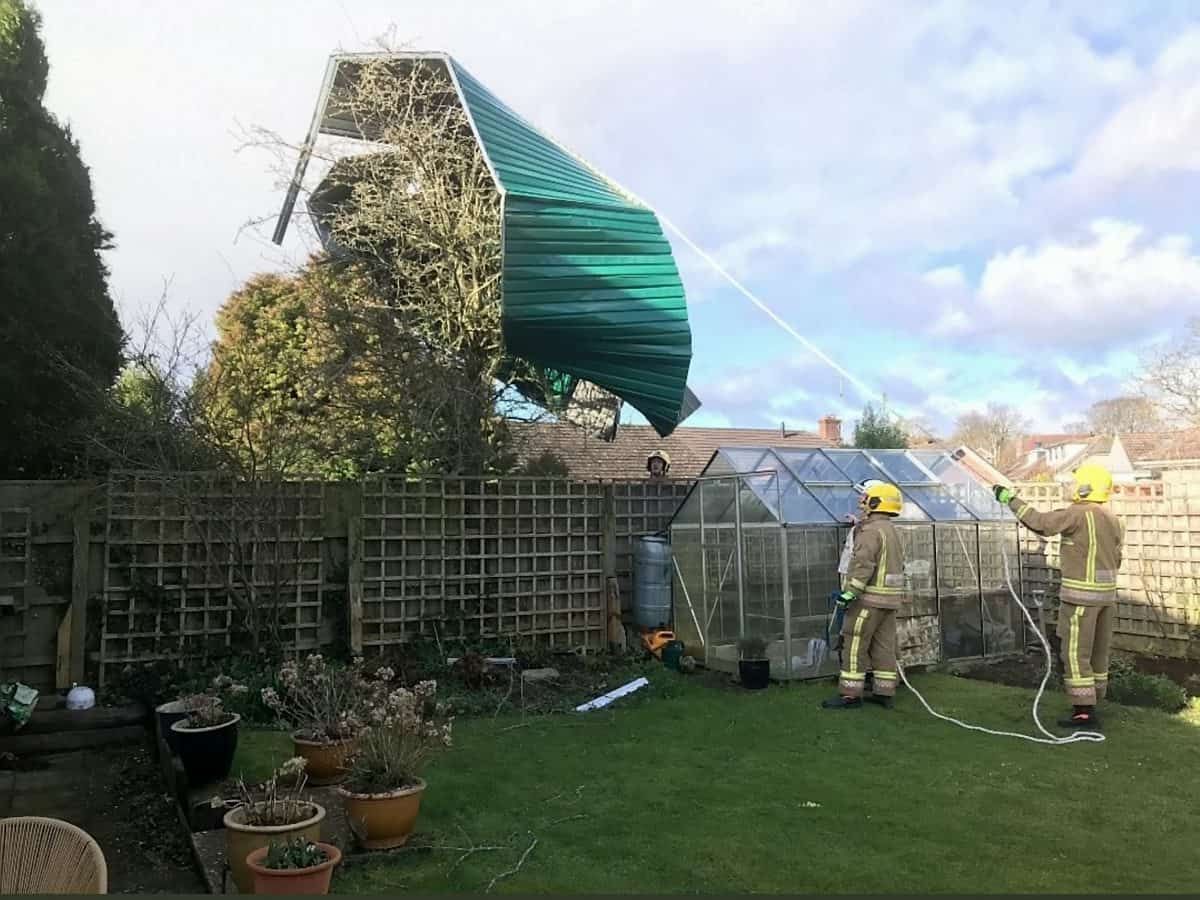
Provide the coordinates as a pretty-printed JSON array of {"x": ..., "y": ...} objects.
[
  {"x": 1132, "y": 457},
  {"x": 587, "y": 456}
]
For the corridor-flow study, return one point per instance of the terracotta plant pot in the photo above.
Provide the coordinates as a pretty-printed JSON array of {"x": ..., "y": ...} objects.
[
  {"x": 313, "y": 880},
  {"x": 383, "y": 821},
  {"x": 326, "y": 760},
  {"x": 206, "y": 753},
  {"x": 242, "y": 839}
]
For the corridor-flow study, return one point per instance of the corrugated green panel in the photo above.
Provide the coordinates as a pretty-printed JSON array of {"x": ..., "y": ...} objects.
[{"x": 590, "y": 284}]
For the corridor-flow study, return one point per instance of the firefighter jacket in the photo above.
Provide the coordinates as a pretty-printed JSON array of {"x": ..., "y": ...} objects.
[
  {"x": 1091, "y": 548},
  {"x": 876, "y": 571}
]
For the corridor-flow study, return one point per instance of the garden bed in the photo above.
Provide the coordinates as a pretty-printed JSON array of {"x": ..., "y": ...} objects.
[{"x": 113, "y": 793}]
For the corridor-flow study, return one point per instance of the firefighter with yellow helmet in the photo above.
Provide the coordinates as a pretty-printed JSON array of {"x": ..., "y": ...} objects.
[
  {"x": 872, "y": 592},
  {"x": 1092, "y": 539}
]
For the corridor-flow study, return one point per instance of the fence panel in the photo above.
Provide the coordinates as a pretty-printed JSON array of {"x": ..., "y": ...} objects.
[
  {"x": 472, "y": 557},
  {"x": 194, "y": 562}
]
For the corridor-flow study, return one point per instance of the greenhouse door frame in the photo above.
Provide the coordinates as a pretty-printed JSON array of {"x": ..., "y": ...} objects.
[{"x": 1018, "y": 580}]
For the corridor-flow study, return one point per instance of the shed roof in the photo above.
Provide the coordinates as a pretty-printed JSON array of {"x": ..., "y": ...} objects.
[
  {"x": 819, "y": 486},
  {"x": 589, "y": 284}
]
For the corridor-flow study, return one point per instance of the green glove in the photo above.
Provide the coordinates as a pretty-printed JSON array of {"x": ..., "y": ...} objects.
[
  {"x": 845, "y": 598},
  {"x": 1003, "y": 494}
]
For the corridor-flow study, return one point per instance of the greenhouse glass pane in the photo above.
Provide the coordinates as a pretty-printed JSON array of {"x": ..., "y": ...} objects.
[
  {"x": 940, "y": 505},
  {"x": 1003, "y": 624},
  {"x": 718, "y": 501},
  {"x": 799, "y": 508},
  {"x": 719, "y": 465},
  {"x": 964, "y": 487},
  {"x": 689, "y": 511},
  {"x": 811, "y": 465},
  {"x": 958, "y": 590},
  {"x": 840, "y": 501},
  {"x": 754, "y": 508},
  {"x": 910, "y": 512},
  {"x": 899, "y": 467},
  {"x": 856, "y": 465},
  {"x": 750, "y": 460}
]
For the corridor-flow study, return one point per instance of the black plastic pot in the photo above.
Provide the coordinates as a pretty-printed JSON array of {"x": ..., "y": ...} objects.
[
  {"x": 206, "y": 753},
  {"x": 168, "y": 714},
  {"x": 755, "y": 673}
]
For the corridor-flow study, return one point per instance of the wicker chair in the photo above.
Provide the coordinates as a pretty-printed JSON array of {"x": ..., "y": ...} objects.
[{"x": 47, "y": 856}]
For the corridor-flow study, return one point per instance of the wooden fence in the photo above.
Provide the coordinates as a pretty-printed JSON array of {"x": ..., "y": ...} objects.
[{"x": 97, "y": 576}]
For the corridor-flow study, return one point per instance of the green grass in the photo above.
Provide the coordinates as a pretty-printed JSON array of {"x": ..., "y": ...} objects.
[{"x": 688, "y": 788}]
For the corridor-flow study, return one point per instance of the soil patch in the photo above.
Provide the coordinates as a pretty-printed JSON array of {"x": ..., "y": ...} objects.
[{"x": 115, "y": 794}]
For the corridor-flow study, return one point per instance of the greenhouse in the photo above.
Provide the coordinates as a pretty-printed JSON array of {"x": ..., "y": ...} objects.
[{"x": 758, "y": 540}]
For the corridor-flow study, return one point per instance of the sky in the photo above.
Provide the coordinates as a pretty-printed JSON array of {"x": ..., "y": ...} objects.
[{"x": 960, "y": 203}]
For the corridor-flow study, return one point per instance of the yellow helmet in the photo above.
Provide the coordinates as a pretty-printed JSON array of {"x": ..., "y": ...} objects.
[
  {"x": 1093, "y": 483},
  {"x": 881, "y": 497}
]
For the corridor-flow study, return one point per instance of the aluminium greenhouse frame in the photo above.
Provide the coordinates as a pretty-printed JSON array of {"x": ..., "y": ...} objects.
[{"x": 757, "y": 542}]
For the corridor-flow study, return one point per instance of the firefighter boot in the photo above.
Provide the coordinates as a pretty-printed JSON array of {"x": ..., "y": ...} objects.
[
  {"x": 1084, "y": 718},
  {"x": 842, "y": 703},
  {"x": 880, "y": 700}
]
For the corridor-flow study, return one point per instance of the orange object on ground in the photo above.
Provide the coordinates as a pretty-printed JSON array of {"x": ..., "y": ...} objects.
[{"x": 655, "y": 639}]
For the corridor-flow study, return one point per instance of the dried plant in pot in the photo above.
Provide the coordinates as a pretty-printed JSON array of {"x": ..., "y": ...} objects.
[
  {"x": 293, "y": 866},
  {"x": 382, "y": 794},
  {"x": 206, "y": 740},
  {"x": 754, "y": 669},
  {"x": 323, "y": 704},
  {"x": 279, "y": 811}
]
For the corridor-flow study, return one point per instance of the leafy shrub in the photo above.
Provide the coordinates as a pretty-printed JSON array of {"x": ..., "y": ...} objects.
[
  {"x": 295, "y": 853},
  {"x": 238, "y": 681},
  {"x": 752, "y": 648},
  {"x": 205, "y": 711},
  {"x": 1129, "y": 687}
]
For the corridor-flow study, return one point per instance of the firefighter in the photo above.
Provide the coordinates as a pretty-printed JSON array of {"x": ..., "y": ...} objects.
[
  {"x": 658, "y": 464},
  {"x": 1090, "y": 557},
  {"x": 872, "y": 592}
]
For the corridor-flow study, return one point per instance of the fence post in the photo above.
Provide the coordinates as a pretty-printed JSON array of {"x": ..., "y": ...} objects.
[
  {"x": 354, "y": 568},
  {"x": 609, "y": 530},
  {"x": 81, "y": 553}
]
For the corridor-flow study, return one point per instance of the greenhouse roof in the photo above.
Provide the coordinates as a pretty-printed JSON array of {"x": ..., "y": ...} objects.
[{"x": 795, "y": 486}]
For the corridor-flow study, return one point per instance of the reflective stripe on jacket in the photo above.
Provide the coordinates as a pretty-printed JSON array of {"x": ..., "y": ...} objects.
[
  {"x": 876, "y": 570},
  {"x": 1092, "y": 539}
]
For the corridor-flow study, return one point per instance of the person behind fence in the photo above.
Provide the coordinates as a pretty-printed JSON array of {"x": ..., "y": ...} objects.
[
  {"x": 658, "y": 464},
  {"x": 872, "y": 592},
  {"x": 1092, "y": 539}
]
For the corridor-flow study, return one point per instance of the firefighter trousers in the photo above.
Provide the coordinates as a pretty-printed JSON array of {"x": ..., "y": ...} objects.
[
  {"x": 1085, "y": 636},
  {"x": 868, "y": 643}
]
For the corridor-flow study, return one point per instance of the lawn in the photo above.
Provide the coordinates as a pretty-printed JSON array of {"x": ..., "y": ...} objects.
[{"x": 690, "y": 788}]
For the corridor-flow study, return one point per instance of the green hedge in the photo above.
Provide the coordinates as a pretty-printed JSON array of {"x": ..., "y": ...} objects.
[{"x": 1130, "y": 687}]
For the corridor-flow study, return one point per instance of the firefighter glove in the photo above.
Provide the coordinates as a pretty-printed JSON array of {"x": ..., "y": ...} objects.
[{"x": 1003, "y": 494}]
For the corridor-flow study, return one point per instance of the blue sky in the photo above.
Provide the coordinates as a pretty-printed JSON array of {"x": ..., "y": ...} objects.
[{"x": 963, "y": 203}]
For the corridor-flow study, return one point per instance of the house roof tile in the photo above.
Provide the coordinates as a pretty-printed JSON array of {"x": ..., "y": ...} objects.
[{"x": 690, "y": 449}]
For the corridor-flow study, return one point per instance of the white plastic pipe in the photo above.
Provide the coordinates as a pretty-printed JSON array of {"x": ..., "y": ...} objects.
[{"x": 608, "y": 698}]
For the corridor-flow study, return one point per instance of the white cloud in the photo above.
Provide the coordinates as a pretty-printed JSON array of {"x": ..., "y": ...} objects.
[
  {"x": 946, "y": 277},
  {"x": 1155, "y": 131},
  {"x": 1115, "y": 282}
]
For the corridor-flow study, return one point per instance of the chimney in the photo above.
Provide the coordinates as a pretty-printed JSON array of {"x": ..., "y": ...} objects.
[{"x": 830, "y": 429}]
